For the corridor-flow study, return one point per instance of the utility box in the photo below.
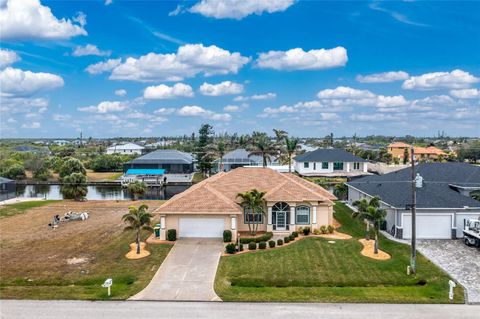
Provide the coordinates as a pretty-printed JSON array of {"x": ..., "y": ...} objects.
[{"x": 156, "y": 231}]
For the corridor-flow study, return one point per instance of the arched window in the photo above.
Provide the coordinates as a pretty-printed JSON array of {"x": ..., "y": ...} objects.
[
  {"x": 302, "y": 215},
  {"x": 252, "y": 218}
]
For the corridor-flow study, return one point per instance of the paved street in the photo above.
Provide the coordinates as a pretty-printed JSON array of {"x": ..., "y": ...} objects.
[
  {"x": 217, "y": 310},
  {"x": 460, "y": 261},
  {"x": 188, "y": 272}
]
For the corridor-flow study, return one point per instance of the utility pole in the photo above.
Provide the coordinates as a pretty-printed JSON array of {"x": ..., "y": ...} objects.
[{"x": 413, "y": 258}]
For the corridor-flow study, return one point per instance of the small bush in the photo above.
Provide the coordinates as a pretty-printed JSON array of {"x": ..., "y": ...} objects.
[
  {"x": 265, "y": 237},
  {"x": 306, "y": 231},
  {"x": 271, "y": 243},
  {"x": 300, "y": 229},
  {"x": 279, "y": 242},
  {"x": 330, "y": 229},
  {"x": 286, "y": 239},
  {"x": 230, "y": 248},
  {"x": 323, "y": 229},
  {"x": 252, "y": 245},
  {"x": 295, "y": 234},
  {"x": 291, "y": 237},
  {"x": 171, "y": 234},
  {"x": 240, "y": 247},
  {"x": 262, "y": 245},
  {"x": 227, "y": 236},
  {"x": 316, "y": 231}
]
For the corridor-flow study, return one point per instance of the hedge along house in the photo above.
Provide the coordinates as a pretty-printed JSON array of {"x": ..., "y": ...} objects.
[
  {"x": 211, "y": 206},
  {"x": 443, "y": 200}
]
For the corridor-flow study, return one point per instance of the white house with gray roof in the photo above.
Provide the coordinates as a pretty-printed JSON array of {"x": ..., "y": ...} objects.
[
  {"x": 330, "y": 162},
  {"x": 129, "y": 148},
  {"x": 239, "y": 158},
  {"x": 443, "y": 200}
]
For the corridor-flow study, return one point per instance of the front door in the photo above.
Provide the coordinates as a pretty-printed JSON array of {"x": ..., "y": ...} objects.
[{"x": 281, "y": 221}]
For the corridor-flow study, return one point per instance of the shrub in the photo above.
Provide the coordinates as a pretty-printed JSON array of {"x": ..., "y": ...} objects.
[
  {"x": 230, "y": 248},
  {"x": 265, "y": 237},
  {"x": 286, "y": 240},
  {"x": 323, "y": 229},
  {"x": 295, "y": 234},
  {"x": 291, "y": 237},
  {"x": 279, "y": 242},
  {"x": 306, "y": 231},
  {"x": 300, "y": 229},
  {"x": 316, "y": 231},
  {"x": 330, "y": 229},
  {"x": 252, "y": 245},
  {"x": 240, "y": 247},
  {"x": 227, "y": 236},
  {"x": 271, "y": 243},
  {"x": 262, "y": 245},
  {"x": 171, "y": 234}
]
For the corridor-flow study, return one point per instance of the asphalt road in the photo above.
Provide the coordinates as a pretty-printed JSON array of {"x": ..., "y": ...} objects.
[{"x": 218, "y": 310}]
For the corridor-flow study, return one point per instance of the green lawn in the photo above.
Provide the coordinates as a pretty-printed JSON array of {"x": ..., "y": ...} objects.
[
  {"x": 18, "y": 208},
  {"x": 314, "y": 270}
]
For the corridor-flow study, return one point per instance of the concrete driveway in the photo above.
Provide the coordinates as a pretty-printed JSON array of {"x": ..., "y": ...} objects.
[
  {"x": 188, "y": 272},
  {"x": 458, "y": 260}
]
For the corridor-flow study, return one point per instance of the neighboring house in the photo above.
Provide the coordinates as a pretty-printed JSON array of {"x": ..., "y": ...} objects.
[
  {"x": 61, "y": 142},
  {"x": 239, "y": 158},
  {"x": 430, "y": 153},
  {"x": 211, "y": 206},
  {"x": 128, "y": 148},
  {"x": 443, "y": 201},
  {"x": 330, "y": 162},
  {"x": 172, "y": 161},
  {"x": 7, "y": 188}
]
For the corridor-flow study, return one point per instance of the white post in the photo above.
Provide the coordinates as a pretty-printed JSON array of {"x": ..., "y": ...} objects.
[
  {"x": 314, "y": 217},
  {"x": 109, "y": 292},
  {"x": 292, "y": 218},
  {"x": 162, "y": 222},
  {"x": 348, "y": 167},
  {"x": 234, "y": 223},
  {"x": 452, "y": 285},
  {"x": 269, "y": 208}
]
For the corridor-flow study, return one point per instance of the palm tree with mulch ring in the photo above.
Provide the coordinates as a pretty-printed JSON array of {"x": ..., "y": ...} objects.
[
  {"x": 253, "y": 203},
  {"x": 362, "y": 206},
  {"x": 138, "y": 219},
  {"x": 376, "y": 216}
]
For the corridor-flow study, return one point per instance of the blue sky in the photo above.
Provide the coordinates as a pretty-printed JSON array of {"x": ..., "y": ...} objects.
[{"x": 154, "y": 68}]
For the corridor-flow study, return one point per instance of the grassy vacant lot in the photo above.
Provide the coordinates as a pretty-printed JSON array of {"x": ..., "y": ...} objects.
[
  {"x": 72, "y": 262},
  {"x": 314, "y": 270},
  {"x": 18, "y": 208}
]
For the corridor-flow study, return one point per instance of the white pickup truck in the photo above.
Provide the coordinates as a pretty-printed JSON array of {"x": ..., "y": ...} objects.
[{"x": 471, "y": 232}]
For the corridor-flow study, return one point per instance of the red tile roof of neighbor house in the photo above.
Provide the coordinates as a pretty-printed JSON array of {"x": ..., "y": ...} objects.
[
  {"x": 218, "y": 194},
  {"x": 399, "y": 145},
  {"x": 428, "y": 150}
]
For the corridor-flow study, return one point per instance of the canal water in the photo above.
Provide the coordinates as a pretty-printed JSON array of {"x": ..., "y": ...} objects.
[{"x": 98, "y": 192}]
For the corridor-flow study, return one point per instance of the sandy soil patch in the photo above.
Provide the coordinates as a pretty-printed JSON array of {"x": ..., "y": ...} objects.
[
  {"x": 335, "y": 235},
  {"x": 368, "y": 250},
  {"x": 155, "y": 241},
  {"x": 132, "y": 254}
]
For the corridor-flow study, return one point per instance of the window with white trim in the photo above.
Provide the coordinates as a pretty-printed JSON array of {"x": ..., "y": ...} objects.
[
  {"x": 305, "y": 164},
  {"x": 356, "y": 165},
  {"x": 252, "y": 218},
  {"x": 302, "y": 215}
]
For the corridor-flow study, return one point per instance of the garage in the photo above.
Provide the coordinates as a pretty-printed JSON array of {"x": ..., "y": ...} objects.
[
  {"x": 201, "y": 227},
  {"x": 429, "y": 226}
]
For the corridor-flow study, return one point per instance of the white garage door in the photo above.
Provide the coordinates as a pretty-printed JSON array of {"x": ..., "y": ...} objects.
[
  {"x": 460, "y": 221},
  {"x": 201, "y": 227},
  {"x": 428, "y": 226}
]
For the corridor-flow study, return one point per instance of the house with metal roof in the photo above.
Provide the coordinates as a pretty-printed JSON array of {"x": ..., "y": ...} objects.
[
  {"x": 129, "y": 148},
  {"x": 170, "y": 161},
  {"x": 238, "y": 158},
  {"x": 330, "y": 162},
  {"x": 7, "y": 189},
  {"x": 443, "y": 198}
]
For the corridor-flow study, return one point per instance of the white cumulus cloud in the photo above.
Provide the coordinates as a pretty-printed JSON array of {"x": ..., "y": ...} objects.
[
  {"x": 384, "y": 77},
  {"x": 238, "y": 9},
  {"x": 29, "y": 19},
  {"x": 163, "y": 91},
  {"x": 105, "y": 107},
  {"x": 198, "y": 111},
  {"x": 223, "y": 88},
  {"x": 89, "y": 49},
  {"x": 456, "y": 79},
  {"x": 105, "y": 66},
  {"x": 466, "y": 93},
  {"x": 188, "y": 61},
  {"x": 266, "y": 96},
  {"x": 121, "y": 92},
  {"x": 8, "y": 57},
  {"x": 343, "y": 92},
  {"x": 19, "y": 83},
  {"x": 298, "y": 59}
]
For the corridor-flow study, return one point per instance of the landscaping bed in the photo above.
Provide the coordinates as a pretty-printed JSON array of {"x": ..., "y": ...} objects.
[{"x": 313, "y": 269}]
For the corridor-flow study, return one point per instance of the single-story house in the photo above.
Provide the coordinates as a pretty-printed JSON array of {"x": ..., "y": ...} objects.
[
  {"x": 443, "y": 200},
  {"x": 128, "y": 148},
  {"x": 330, "y": 162},
  {"x": 172, "y": 161},
  {"x": 239, "y": 158},
  {"x": 7, "y": 189},
  {"x": 211, "y": 206}
]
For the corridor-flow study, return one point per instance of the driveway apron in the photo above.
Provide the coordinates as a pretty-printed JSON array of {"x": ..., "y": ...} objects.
[{"x": 188, "y": 272}]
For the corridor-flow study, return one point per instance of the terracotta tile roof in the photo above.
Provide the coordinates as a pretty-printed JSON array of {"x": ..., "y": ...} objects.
[
  {"x": 399, "y": 144},
  {"x": 429, "y": 150},
  {"x": 217, "y": 194}
]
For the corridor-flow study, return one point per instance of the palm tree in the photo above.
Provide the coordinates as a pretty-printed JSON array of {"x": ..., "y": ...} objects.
[
  {"x": 253, "y": 203},
  {"x": 280, "y": 135},
  {"x": 376, "y": 216},
  {"x": 362, "y": 206},
  {"x": 291, "y": 146},
  {"x": 217, "y": 150},
  {"x": 138, "y": 219},
  {"x": 340, "y": 190},
  {"x": 136, "y": 189},
  {"x": 74, "y": 186},
  {"x": 263, "y": 147}
]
